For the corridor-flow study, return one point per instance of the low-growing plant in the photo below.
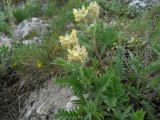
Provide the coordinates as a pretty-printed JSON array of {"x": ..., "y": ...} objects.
[
  {"x": 112, "y": 68},
  {"x": 64, "y": 17},
  {"x": 32, "y": 56},
  {"x": 8, "y": 10},
  {"x": 50, "y": 10},
  {"x": 20, "y": 14},
  {"x": 34, "y": 8},
  {"x": 111, "y": 81},
  {"x": 4, "y": 27},
  {"x": 4, "y": 60}
]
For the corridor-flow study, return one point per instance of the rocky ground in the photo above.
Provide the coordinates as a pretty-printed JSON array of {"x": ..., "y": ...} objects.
[
  {"x": 41, "y": 104},
  {"x": 44, "y": 103},
  {"x": 28, "y": 32}
]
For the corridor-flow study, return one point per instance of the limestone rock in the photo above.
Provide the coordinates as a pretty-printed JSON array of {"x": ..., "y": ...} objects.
[
  {"x": 30, "y": 28},
  {"x": 44, "y": 103},
  {"x": 4, "y": 40},
  {"x": 142, "y": 4}
]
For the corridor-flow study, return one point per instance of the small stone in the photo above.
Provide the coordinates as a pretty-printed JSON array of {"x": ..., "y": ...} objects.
[
  {"x": 34, "y": 19},
  {"x": 30, "y": 28},
  {"x": 143, "y": 4}
]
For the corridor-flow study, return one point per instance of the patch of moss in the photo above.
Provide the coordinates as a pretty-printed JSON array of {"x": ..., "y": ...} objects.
[
  {"x": 33, "y": 33},
  {"x": 4, "y": 27}
]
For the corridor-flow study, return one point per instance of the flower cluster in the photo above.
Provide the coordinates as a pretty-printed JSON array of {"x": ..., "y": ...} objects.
[
  {"x": 75, "y": 52},
  {"x": 39, "y": 64},
  {"x": 91, "y": 12},
  {"x": 69, "y": 40},
  {"x": 80, "y": 14}
]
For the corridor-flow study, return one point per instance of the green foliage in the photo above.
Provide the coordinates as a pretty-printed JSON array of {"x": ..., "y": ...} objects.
[
  {"x": 68, "y": 115},
  {"x": 4, "y": 60},
  {"x": 50, "y": 10},
  {"x": 65, "y": 16},
  {"x": 4, "y": 27},
  {"x": 107, "y": 97},
  {"x": 118, "y": 7},
  {"x": 31, "y": 34},
  {"x": 8, "y": 10},
  {"x": 106, "y": 93},
  {"x": 34, "y": 61},
  {"x": 2, "y": 16},
  {"x": 34, "y": 8},
  {"x": 106, "y": 35},
  {"x": 4, "y": 52},
  {"x": 140, "y": 25},
  {"x": 44, "y": 52},
  {"x": 60, "y": 3},
  {"x": 120, "y": 79},
  {"x": 20, "y": 14},
  {"x": 139, "y": 115}
]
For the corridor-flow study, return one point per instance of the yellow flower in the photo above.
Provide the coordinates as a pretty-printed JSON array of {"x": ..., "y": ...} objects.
[
  {"x": 77, "y": 54},
  {"x": 93, "y": 10},
  {"x": 14, "y": 65},
  {"x": 69, "y": 40},
  {"x": 87, "y": 14},
  {"x": 80, "y": 14},
  {"x": 39, "y": 64}
]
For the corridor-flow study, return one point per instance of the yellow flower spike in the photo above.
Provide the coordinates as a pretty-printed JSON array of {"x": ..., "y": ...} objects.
[
  {"x": 69, "y": 40},
  {"x": 77, "y": 54},
  {"x": 80, "y": 14},
  {"x": 39, "y": 64},
  {"x": 87, "y": 14},
  {"x": 73, "y": 35},
  {"x": 64, "y": 41},
  {"x": 93, "y": 10},
  {"x": 14, "y": 65}
]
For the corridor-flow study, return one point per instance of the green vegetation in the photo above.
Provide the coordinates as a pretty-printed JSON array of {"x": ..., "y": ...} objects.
[
  {"x": 20, "y": 14},
  {"x": 4, "y": 27},
  {"x": 116, "y": 72}
]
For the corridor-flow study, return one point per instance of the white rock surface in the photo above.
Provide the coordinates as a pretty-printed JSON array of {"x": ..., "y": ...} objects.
[
  {"x": 4, "y": 40},
  {"x": 35, "y": 40},
  {"x": 70, "y": 105},
  {"x": 43, "y": 104},
  {"x": 141, "y": 4},
  {"x": 24, "y": 29},
  {"x": 28, "y": 26}
]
